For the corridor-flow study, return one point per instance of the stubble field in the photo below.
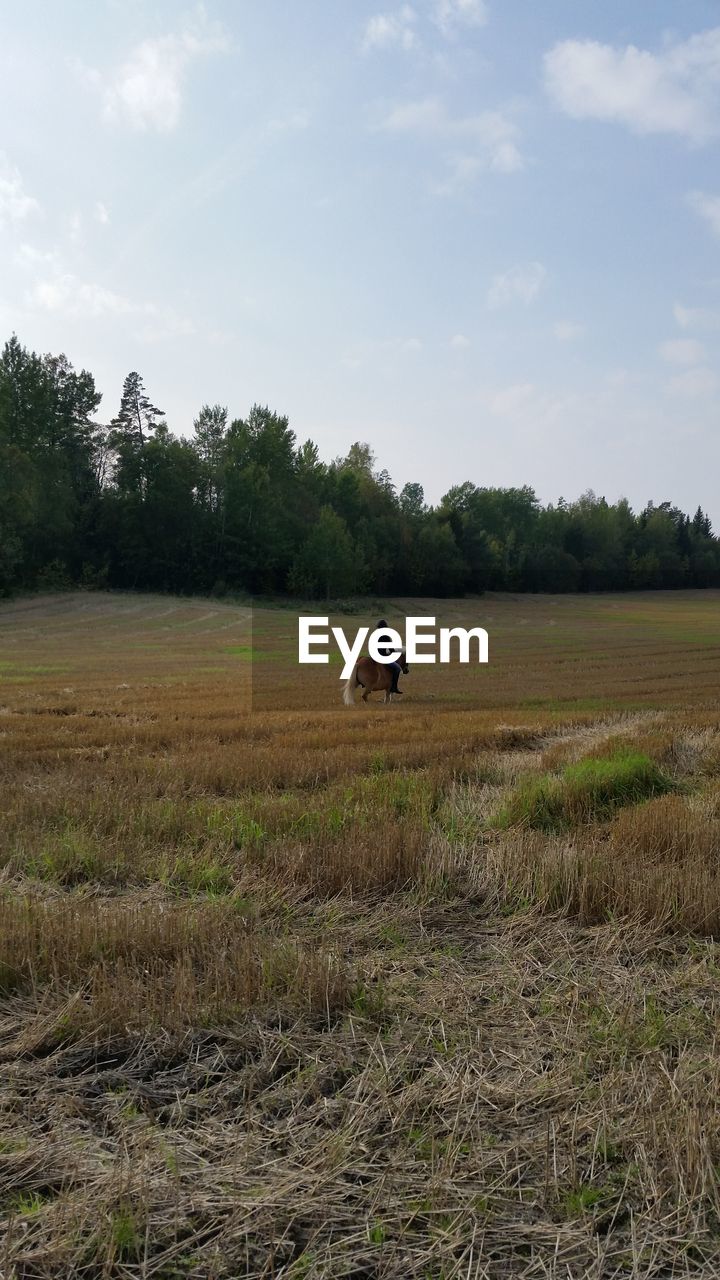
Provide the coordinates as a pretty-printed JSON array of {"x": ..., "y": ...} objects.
[{"x": 294, "y": 990}]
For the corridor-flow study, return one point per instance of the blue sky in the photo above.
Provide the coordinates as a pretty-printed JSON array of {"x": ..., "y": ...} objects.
[{"x": 482, "y": 236}]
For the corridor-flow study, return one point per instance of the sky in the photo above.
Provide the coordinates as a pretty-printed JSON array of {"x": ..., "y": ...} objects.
[{"x": 481, "y": 235}]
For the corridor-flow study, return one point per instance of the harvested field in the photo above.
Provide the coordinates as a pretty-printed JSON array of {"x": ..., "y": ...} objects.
[{"x": 294, "y": 990}]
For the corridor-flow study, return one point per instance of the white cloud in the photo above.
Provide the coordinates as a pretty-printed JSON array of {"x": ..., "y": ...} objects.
[
  {"x": 65, "y": 293},
  {"x": 694, "y": 383},
  {"x": 15, "y": 203},
  {"x": 61, "y": 292},
  {"x": 460, "y": 342},
  {"x": 146, "y": 90},
  {"x": 567, "y": 330},
  {"x": 522, "y": 283},
  {"x": 451, "y": 14},
  {"x": 28, "y": 256},
  {"x": 391, "y": 30},
  {"x": 509, "y": 401},
  {"x": 676, "y": 90},
  {"x": 682, "y": 351},
  {"x": 696, "y": 317},
  {"x": 398, "y": 28},
  {"x": 471, "y": 144},
  {"x": 76, "y": 223},
  {"x": 427, "y": 116},
  {"x": 708, "y": 207}
]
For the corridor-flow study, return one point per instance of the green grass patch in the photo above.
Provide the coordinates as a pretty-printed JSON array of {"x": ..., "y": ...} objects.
[
  {"x": 72, "y": 857},
  {"x": 588, "y": 791},
  {"x": 201, "y": 876},
  {"x": 26, "y": 1203},
  {"x": 125, "y": 1234}
]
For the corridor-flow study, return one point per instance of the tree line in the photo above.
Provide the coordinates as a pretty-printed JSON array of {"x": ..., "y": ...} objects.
[{"x": 241, "y": 506}]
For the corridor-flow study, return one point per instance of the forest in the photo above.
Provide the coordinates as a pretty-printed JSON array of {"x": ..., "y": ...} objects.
[{"x": 242, "y": 507}]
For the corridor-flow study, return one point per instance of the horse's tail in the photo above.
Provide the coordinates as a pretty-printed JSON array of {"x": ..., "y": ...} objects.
[{"x": 349, "y": 688}]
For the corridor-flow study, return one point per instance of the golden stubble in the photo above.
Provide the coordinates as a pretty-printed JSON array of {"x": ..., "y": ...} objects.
[{"x": 280, "y": 996}]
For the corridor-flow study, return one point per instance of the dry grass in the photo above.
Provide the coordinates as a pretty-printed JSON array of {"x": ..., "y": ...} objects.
[
  {"x": 134, "y": 965},
  {"x": 279, "y": 999}
]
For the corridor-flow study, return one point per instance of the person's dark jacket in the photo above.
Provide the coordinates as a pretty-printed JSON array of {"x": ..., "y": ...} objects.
[{"x": 384, "y": 650}]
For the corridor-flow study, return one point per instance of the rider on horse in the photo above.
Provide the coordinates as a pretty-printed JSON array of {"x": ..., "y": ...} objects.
[{"x": 384, "y": 652}]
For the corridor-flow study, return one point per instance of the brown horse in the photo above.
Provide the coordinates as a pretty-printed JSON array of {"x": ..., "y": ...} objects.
[{"x": 372, "y": 677}]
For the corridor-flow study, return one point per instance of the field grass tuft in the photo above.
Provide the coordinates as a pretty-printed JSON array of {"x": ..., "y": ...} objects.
[{"x": 588, "y": 791}]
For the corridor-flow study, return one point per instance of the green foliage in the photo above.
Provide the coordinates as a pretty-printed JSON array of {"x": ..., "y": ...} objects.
[
  {"x": 327, "y": 564},
  {"x": 71, "y": 856},
  {"x": 302, "y": 1266},
  {"x": 125, "y": 1235},
  {"x": 201, "y": 875},
  {"x": 582, "y": 1201},
  {"x": 49, "y": 449},
  {"x": 241, "y": 507},
  {"x": 588, "y": 791},
  {"x": 26, "y": 1203}
]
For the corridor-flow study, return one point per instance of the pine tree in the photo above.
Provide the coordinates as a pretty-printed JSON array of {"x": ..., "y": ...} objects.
[
  {"x": 138, "y": 419},
  {"x": 136, "y": 423}
]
